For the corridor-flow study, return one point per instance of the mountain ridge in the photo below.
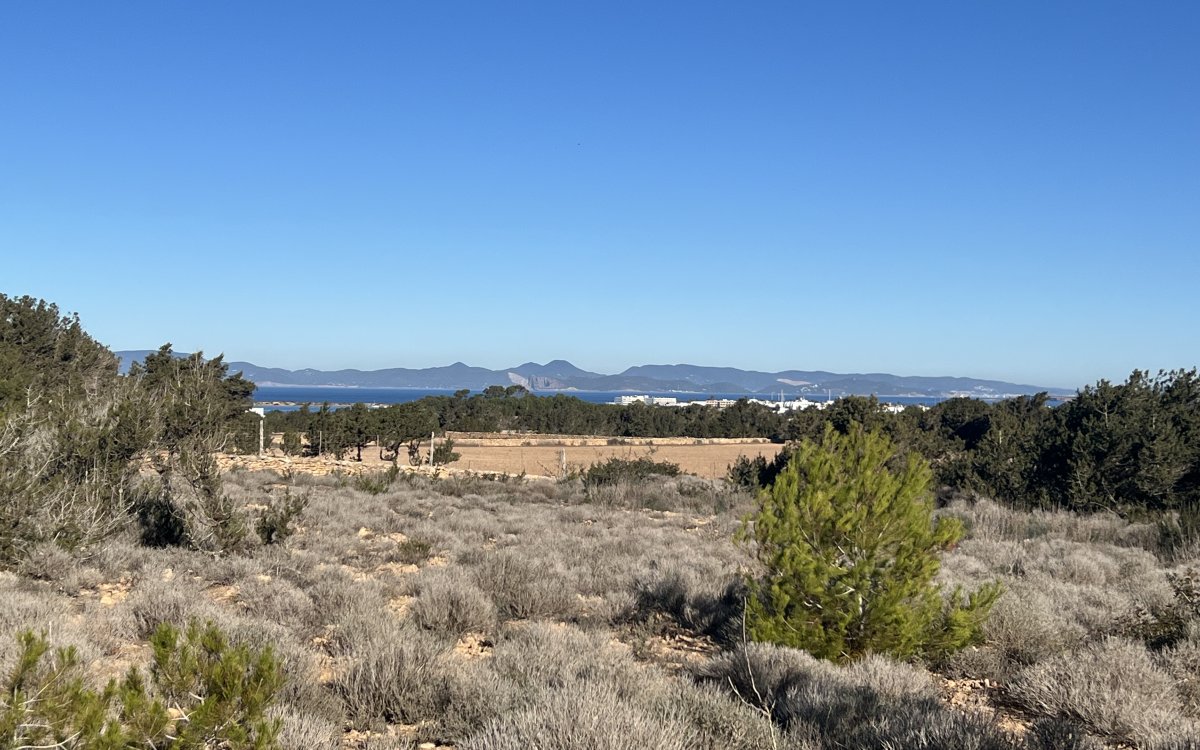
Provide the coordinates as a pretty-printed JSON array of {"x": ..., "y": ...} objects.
[{"x": 562, "y": 376}]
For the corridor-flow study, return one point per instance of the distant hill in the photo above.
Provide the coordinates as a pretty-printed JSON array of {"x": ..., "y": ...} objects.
[{"x": 561, "y": 375}]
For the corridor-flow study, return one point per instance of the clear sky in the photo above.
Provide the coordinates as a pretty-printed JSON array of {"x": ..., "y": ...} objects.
[{"x": 1006, "y": 190}]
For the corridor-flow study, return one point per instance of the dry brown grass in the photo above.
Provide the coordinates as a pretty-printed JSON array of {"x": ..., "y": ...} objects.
[
  {"x": 541, "y": 455},
  {"x": 709, "y": 461}
]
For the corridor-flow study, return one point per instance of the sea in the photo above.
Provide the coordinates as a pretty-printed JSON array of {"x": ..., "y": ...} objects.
[{"x": 289, "y": 397}]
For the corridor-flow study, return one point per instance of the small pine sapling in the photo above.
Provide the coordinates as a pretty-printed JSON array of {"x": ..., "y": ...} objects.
[
  {"x": 203, "y": 693},
  {"x": 849, "y": 547}
]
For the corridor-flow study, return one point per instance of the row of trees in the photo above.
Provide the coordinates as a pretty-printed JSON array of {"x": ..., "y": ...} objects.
[
  {"x": 1122, "y": 446},
  {"x": 513, "y": 408},
  {"x": 396, "y": 430}
]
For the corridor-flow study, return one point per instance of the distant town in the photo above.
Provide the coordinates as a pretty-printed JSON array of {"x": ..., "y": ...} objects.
[{"x": 781, "y": 406}]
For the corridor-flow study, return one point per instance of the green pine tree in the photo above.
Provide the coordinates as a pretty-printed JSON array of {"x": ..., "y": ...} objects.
[
  {"x": 202, "y": 692},
  {"x": 849, "y": 548}
]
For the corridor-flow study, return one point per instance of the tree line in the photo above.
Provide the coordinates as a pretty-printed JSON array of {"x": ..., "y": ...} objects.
[
  {"x": 1115, "y": 446},
  {"x": 399, "y": 428},
  {"x": 85, "y": 450}
]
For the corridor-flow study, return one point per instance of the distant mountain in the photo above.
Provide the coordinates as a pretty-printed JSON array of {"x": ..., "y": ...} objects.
[
  {"x": 561, "y": 375},
  {"x": 559, "y": 368},
  {"x": 554, "y": 375},
  {"x": 457, "y": 375}
]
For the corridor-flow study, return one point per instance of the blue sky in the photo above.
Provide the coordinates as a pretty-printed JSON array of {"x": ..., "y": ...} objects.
[{"x": 1007, "y": 190}]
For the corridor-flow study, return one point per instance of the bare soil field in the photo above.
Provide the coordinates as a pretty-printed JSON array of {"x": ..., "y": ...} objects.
[
  {"x": 542, "y": 455},
  {"x": 709, "y": 461}
]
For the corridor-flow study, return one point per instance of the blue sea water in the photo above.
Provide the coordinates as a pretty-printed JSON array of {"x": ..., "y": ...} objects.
[{"x": 338, "y": 395}]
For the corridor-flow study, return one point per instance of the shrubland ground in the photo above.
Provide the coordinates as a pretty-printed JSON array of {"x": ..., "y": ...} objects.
[
  {"x": 486, "y": 614},
  {"x": 607, "y": 611}
]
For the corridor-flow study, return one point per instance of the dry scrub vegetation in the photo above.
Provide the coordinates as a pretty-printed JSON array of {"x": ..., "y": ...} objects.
[{"x": 490, "y": 615}]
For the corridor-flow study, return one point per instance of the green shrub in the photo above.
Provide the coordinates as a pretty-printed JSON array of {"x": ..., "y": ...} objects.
[
  {"x": 376, "y": 482},
  {"x": 616, "y": 470},
  {"x": 410, "y": 552},
  {"x": 292, "y": 444},
  {"x": 196, "y": 404},
  {"x": 746, "y": 473},
  {"x": 224, "y": 690},
  {"x": 243, "y": 433},
  {"x": 752, "y": 474},
  {"x": 274, "y": 526},
  {"x": 202, "y": 693},
  {"x": 160, "y": 520},
  {"x": 443, "y": 453},
  {"x": 850, "y": 548}
]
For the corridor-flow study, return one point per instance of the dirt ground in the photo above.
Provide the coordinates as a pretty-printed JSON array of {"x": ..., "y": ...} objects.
[
  {"x": 512, "y": 455},
  {"x": 711, "y": 461}
]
